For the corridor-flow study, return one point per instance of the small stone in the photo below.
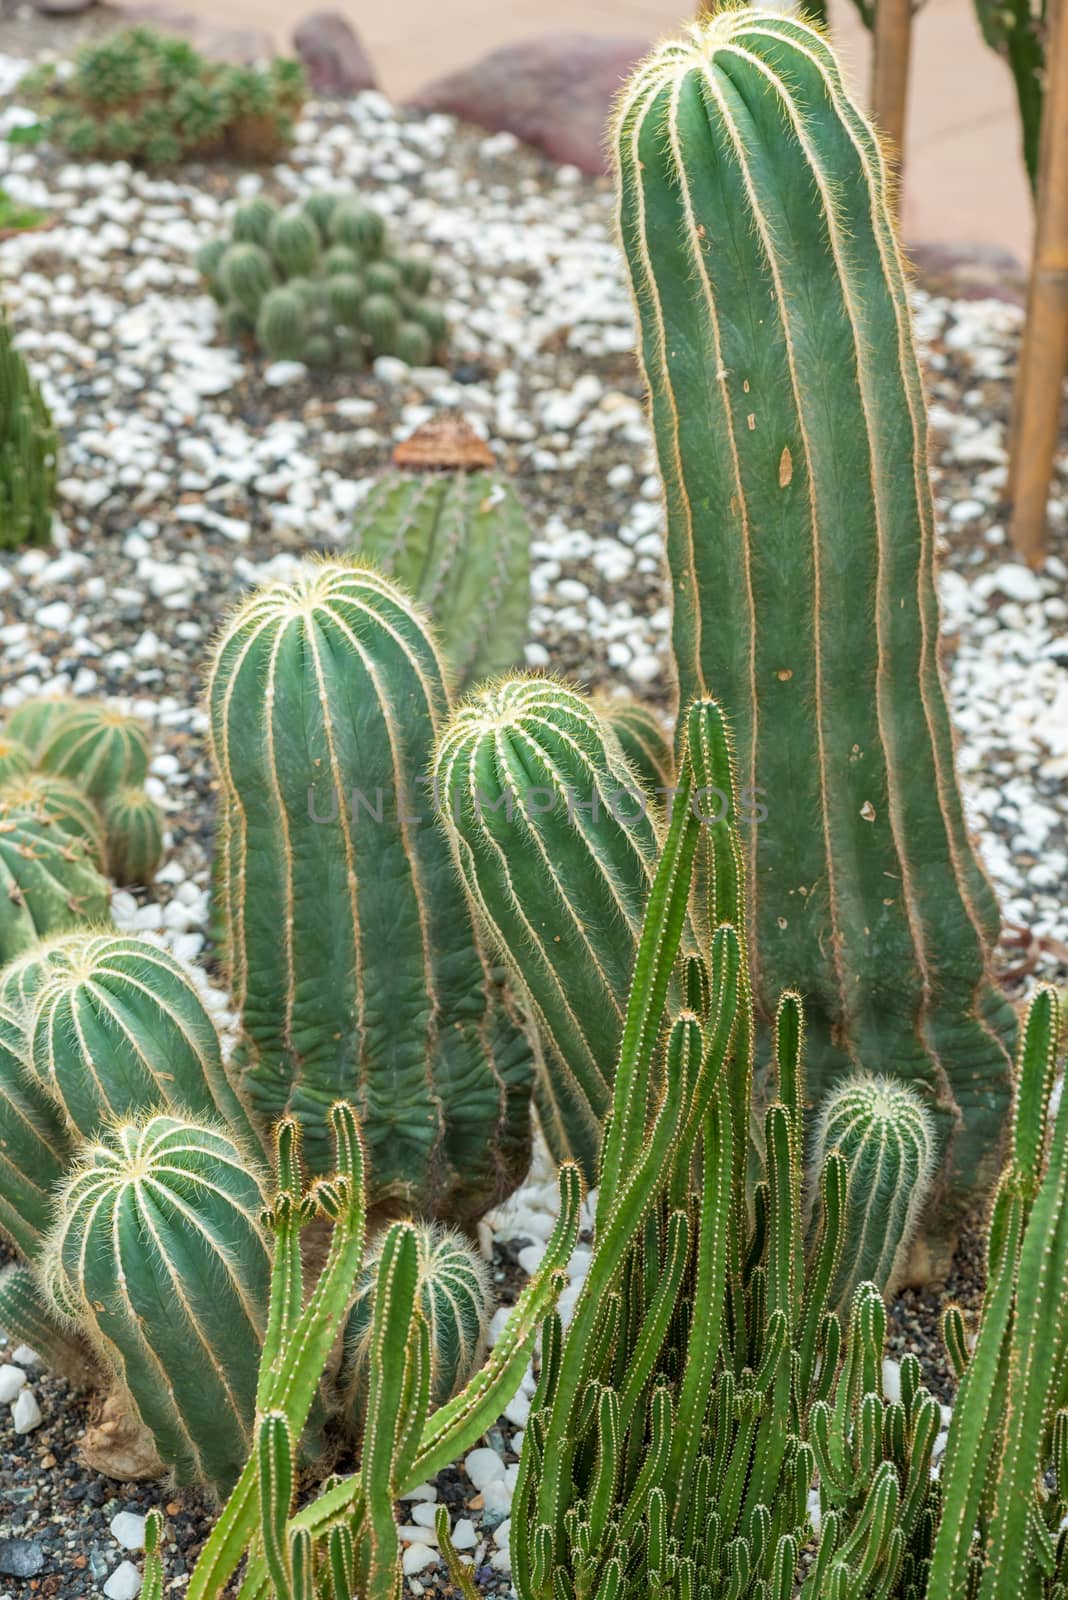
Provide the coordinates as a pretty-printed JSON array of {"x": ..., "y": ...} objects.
[
  {"x": 483, "y": 1467},
  {"x": 416, "y": 1557},
  {"x": 463, "y": 1535},
  {"x": 124, "y": 1583},
  {"x": 20, "y": 1558},
  {"x": 12, "y": 1379},
  {"x": 25, "y": 1357},
  {"x": 128, "y": 1529},
  {"x": 281, "y": 373},
  {"x": 26, "y": 1413}
]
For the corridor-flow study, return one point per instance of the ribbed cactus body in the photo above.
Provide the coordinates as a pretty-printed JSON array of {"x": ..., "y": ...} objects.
[
  {"x": 558, "y": 850},
  {"x": 790, "y": 430},
  {"x": 35, "y": 1147},
  {"x": 48, "y": 882},
  {"x": 28, "y": 452},
  {"x": 14, "y": 759},
  {"x": 26, "y": 1317},
  {"x": 120, "y": 1031},
  {"x": 97, "y": 746},
  {"x": 459, "y": 542},
  {"x": 20, "y": 979},
  {"x": 159, "y": 1255},
  {"x": 29, "y": 722},
  {"x": 134, "y": 826},
  {"x": 454, "y": 1295},
  {"x": 886, "y": 1137},
  {"x": 353, "y": 956},
  {"x": 64, "y": 803},
  {"x": 642, "y": 739}
]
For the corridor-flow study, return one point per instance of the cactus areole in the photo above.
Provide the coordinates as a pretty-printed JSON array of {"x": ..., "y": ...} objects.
[{"x": 791, "y": 434}]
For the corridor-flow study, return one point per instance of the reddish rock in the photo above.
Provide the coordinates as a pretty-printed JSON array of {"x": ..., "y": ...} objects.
[
  {"x": 555, "y": 92},
  {"x": 333, "y": 55},
  {"x": 238, "y": 46}
]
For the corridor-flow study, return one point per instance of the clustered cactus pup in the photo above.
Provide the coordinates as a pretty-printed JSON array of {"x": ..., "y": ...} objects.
[
  {"x": 792, "y": 445},
  {"x": 319, "y": 282},
  {"x": 452, "y": 532},
  {"x": 368, "y": 982},
  {"x": 28, "y": 452},
  {"x": 144, "y": 97}
]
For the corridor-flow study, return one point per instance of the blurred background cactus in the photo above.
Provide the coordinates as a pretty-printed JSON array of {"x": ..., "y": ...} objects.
[
  {"x": 321, "y": 282},
  {"x": 141, "y": 96},
  {"x": 452, "y": 532},
  {"x": 801, "y": 553},
  {"x": 28, "y": 452}
]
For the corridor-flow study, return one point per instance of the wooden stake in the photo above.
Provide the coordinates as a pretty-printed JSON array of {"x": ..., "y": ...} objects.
[
  {"x": 1039, "y": 383},
  {"x": 891, "y": 44}
]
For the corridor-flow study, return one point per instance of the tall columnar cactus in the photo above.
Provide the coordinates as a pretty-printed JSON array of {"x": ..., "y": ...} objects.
[
  {"x": 48, "y": 882},
  {"x": 36, "y": 1147},
  {"x": 134, "y": 826},
  {"x": 557, "y": 845},
  {"x": 454, "y": 1296},
  {"x": 119, "y": 1029},
  {"x": 28, "y": 452},
  {"x": 1005, "y": 1474},
  {"x": 160, "y": 1257},
  {"x": 455, "y": 537},
  {"x": 884, "y": 1134},
  {"x": 352, "y": 951},
  {"x": 67, "y": 805},
  {"x": 97, "y": 745},
  {"x": 791, "y": 435}
]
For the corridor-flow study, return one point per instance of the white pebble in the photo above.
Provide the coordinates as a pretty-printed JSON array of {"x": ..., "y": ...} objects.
[
  {"x": 124, "y": 1583},
  {"x": 128, "y": 1529},
  {"x": 484, "y": 1466},
  {"x": 463, "y": 1535},
  {"x": 25, "y": 1357},
  {"x": 417, "y": 1557},
  {"x": 12, "y": 1379},
  {"x": 26, "y": 1413}
]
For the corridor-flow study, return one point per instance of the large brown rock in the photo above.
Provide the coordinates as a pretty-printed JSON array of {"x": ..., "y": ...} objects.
[
  {"x": 333, "y": 55},
  {"x": 554, "y": 92},
  {"x": 238, "y": 46}
]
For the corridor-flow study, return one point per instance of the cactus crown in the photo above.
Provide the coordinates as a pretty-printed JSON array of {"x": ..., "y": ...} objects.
[{"x": 316, "y": 283}]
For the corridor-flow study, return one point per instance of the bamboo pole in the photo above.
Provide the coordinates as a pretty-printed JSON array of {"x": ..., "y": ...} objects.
[
  {"x": 1039, "y": 382},
  {"x": 891, "y": 46}
]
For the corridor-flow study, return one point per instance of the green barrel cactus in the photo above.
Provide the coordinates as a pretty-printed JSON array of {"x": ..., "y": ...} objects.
[
  {"x": 134, "y": 824},
  {"x": 886, "y": 1137},
  {"x": 119, "y": 1030},
  {"x": 413, "y": 344},
  {"x": 30, "y": 722},
  {"x": 64, "y": 803},
  {"x": 352, "y": 952},
  {"x": 28, "y": 452},
  {"x": 35, "y": 1147},
  {"x": 642, "y": 739},
  {"x": 459, "y": 541},
  {"x": 358, "y": 227},
  {"x": 159, "y": 1255},
  {"x": 48, "y": 882},
  {"x": 557, "y": 845},
  {"x": 96, "y": 745},
  {"x": 252, "y": 224},
  {"x": 15, "y": 759},
  {"x": 454, "y": 1295},
  {"x": 294, "y": 242},
  {"x": 280, "y": 325},
  {"x": 246, "y": 274},
  {"x": 755, "y": 216},
  {"x": 26, "y": 1317},
  {"x": 20, "y": 979}
]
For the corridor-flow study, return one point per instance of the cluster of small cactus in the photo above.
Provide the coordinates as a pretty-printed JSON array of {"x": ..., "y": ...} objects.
[
  {"x": 800, "y": 539},
  {"x": 143, "y": 97},
  {"x": 28, "y": 452},
  {"x": 452, "y": 532},
  {"x": 319, "y": 282}
]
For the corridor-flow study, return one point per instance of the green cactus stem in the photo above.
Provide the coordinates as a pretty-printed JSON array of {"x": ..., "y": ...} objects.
[
  {"x": 557, "y": 845},
  {"x": 33, "y": 719},
  {"x": 64, "y": 803},
  {"x": 134, "y": 824},
  {"x": 352, "y": 953},
  {"x": 160, "y": 1256},
  {"x": 28, "y": 452},
  {"x": 35, "y": 1147},
  {"x": 15, "y": 759},
  {"x": 48, "y": 882},
  {"x": 22, "y": 978},
  {"x": 789, "y": 418},
  {"x": 641, "y": 735},
  {"x": 98, "y": 746},
  {"x": 27, "y": 1318}
]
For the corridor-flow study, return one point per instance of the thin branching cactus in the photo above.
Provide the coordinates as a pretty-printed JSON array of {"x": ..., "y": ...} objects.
[{"x": 791, "y": 436}]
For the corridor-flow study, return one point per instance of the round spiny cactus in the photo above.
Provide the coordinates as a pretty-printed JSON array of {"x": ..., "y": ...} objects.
[
  {"x": 35, "y": 1148},
  {"x": 320, "y": 208},
  {"x": 414, "y": 272},
  {"x": 119, "y": 1029},
  {"x": 22, "y": 978},
  {"x": 887, "y": 1138},
  {"x": 64, "y": 803},
  {"x": 280, "y": 325},
  {"x": 352, "y": 954},
  {"x": 382, "y": 278},
  {"x": 453, "y": 1293},
  {"x": 642, "y": 739},
  {"x": 15, "y": 758},
  {"x": 30, "y": 722},
  {"x": 294, "y": 242},
  {"x": 99, "y": 747},
  {"x": 358, "y": 227},
  {"x": 380, "y": 319},
  {"x": 252, "y": 222},
  {"x": 159, "y": 1257},
  {"x": 209, "y": 258},
  {"x": 412, "y": 344},
  {"x": 134, "y": 825},
  {"x": 345, "y": 291},
  {"x": 246, "y": 275},
  {"x": 48, "y": 882},
  {"x": 27, "y": 1318},
  {"x": 557, "y": 845},
  {"x": 341, "y": 261}
]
